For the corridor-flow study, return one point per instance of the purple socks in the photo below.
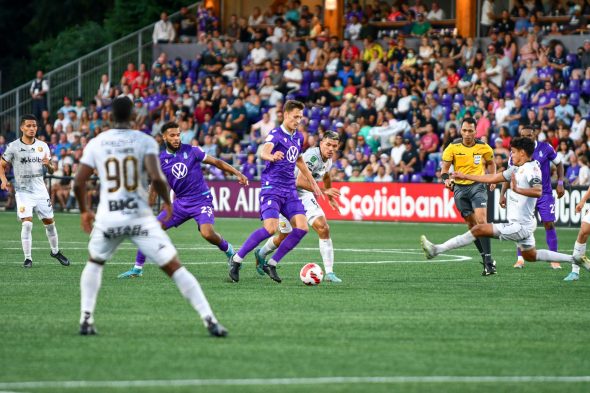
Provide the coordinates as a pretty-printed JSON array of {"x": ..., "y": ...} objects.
[
  {"x": 551, "y": 236},
  {"x": 253, "y": 240},
  {"x": 223, "y": 245},
  {"x": 139, "y": 259},
  {"x": 289, "y": 243}
]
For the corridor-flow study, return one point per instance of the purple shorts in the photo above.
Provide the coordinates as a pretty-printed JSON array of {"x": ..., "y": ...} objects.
[
  {"x": 183, "y": 210},
  {"x": 546, "y": 207},
  {"x": 288, "y": 204}
]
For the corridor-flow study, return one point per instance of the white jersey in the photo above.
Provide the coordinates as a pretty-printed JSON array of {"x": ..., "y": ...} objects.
[
  {"x": 118, "y": 157},
  {"x": 521, "y": 209},
  {"x": 317, "y": 166},
  {"x": 27, "y": 163}
]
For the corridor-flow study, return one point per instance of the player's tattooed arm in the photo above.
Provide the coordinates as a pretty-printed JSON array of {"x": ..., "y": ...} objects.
[
  {"x": 5, "y": 184},
  {"x": 560, "y": 172},
  {"x": 304, "y": 170},
  {"x": 490, "y": 179},
  {"x": 159, "y": 183},
  {"x": 227, "y": 168},
  {"x": 535, "y": 191},
  {"x": 86, "y": 215}
]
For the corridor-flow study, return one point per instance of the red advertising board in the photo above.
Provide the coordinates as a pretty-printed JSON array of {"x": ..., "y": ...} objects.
[{"x": 419, "y": 202}]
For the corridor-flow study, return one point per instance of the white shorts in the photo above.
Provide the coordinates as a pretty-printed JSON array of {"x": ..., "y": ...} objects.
[
  {"x": 26, "y": 203},
  {"x": 586, "y": 217},
  {"x": 524, "y": 238},
  {"x": 312, "y": 212},
  {"x": 145, "y": 232}
]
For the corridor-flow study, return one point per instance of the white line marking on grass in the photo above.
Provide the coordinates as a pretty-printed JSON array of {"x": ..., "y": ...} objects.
[{"x": 293, "y": 381}]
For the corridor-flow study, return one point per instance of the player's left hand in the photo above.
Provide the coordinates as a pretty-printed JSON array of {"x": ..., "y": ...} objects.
[
  {"x": 243, "y": 180},
  {"x": 560, "y": 190},
  {"x": 46, "y": 160},
  {"x": 492, "y": 187},
  {"x": 316, "y": 189},
  {"x": 334, "y": 205},
  {"x": 86, "y": 220},
  {"x": 332, "y": 193},
  {"x": 167, "y": 208}
]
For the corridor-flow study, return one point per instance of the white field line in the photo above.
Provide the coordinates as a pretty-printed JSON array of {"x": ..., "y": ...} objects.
[{"x": 294, "y": 381}]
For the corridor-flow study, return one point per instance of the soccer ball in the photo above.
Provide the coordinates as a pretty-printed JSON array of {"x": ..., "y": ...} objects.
[{"x": 311, "y": 274}]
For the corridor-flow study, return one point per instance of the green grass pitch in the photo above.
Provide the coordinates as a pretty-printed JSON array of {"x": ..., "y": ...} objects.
[{"x": 397, "y": 323}]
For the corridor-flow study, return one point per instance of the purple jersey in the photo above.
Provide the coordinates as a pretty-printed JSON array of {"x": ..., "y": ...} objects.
[
  {"x": 183, "y": 172},
  {"x": 544, "y": 154},
  {"x": 279, "y": 176}
]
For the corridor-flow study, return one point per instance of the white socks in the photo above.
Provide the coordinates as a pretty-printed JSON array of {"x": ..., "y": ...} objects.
[
  {"x": 89, "y": 286},
  {"x": 268, "y": 247},
  {"x": 552, "y": 256},
  {"x": 579, "y": 250},
  {"x": 191, "y": 290},
  {"x": 26, "y": 238},
  {"x": 327, "y": 253},
  {"x": 455, "y": 242},
  {"x": 51, "y": 233}
]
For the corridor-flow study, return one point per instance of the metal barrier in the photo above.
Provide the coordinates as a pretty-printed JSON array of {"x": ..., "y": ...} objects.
[{"x": 81, "y": 77}]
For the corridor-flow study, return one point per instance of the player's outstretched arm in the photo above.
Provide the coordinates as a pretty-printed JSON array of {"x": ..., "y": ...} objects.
[
  {"x": 503, "y": 194},
  {"x": 535, "y": 191},
  {"x": 227, "y": 168},
  {"x": 490, "y": 178},
  {"x": 86, "y": 215},
  {"x": 491, "y": 169},
  {"x": 560, "y": 172},
  {"x": 304, "y": 170},
  {"x": 159, "y": 183},
  {"x": 3, "y": 179},
  {"x": 585, "y": 197}
]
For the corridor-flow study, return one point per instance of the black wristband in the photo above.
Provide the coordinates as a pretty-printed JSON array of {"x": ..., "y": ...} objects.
[{"x": 444, "y": 176}]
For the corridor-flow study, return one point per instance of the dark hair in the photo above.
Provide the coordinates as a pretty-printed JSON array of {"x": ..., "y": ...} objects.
[
  {"x": 293, "y": 104},
  {"x": 333, "y": 135},
  {"x": 525, "y": 144},
  {"x": 27, "y": 117},
  {"x": 168, "y": 126},
  {"x": 122, "y": 109},
  {"x": 468, "y": 120}
]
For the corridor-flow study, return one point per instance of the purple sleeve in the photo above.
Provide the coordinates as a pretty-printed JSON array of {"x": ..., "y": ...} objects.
[
  {"x": 551, "y": 154},
  {"x": 198, "y": 153}
]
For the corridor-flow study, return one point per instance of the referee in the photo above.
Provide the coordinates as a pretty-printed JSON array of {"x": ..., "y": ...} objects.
[{"x": 472, "y": 156}]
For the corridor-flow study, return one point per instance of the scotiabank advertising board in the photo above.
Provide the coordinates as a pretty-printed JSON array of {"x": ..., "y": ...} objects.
[{"x": 358, "y": 201}]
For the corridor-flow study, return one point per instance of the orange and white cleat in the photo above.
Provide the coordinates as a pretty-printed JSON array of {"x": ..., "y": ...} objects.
[
  {"x": 519, "y": 264},
  {"x": 555, "y": 266}
]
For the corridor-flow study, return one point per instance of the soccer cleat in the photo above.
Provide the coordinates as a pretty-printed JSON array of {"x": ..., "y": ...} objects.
[
  {"x": 555, "y": 266},
  {"x": 28, "y": 263},
  {"x": 215, "y": 328},
  {"x": 87, "y": 329},
  {"x": 583, "y": 261},
  {"x": 428, "y": 247},
  {"x": 230, "y": 251},
  {"x": 234, "y": 269},
  {"x": 573, "y": 276},
  {"x": 260, "y": 262},
  {"x": 61, "y": 258},
  {"x": 489, "y": 268},
  {"x": 519, "y": 264},
  {"x": 133, "y": 273},
  {"x": 272, "y": 272},
  {"x": 331, "y": 277}
]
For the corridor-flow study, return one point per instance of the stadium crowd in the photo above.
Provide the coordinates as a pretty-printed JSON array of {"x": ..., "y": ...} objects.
[{"x": 395, "y": 107}]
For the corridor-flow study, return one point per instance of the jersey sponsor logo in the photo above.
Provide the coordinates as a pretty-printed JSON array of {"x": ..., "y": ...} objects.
[
  {"x": 185, "y": 156},
  {"x": 29, "y": 160},
  {"x": 128, "y": 230},
  {"x": 179, "y": 170},
  {"x": 39, "y": 149},
  {"x": 122, "y": 204},
  {"x": 292, "y": 154}
]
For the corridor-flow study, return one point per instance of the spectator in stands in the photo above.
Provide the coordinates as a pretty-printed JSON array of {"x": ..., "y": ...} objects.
[
  {"x": 237, "y": 121},
  {"x": 435, "y": 13},
  {"x": 487, "y": 17},
  {"x": 259, "y": 55},
  {"x": 564, "y": 111},
  {"x": 104, "y": 93},
  {"x": 163, "y": 30},
  {"x": 39, "y": 90},
  {"x": 583, "y": 179},
  {"x": 522, "y": 26},
  {"x": 232, "y": 30},
  {"x": 187, "y": 26},
  {"x": 421, "y": 26},
  {"x": 256, "y": 18},
  {"x": 292, "y": 78},
  {"x": 577, "y": 22},
  {"x": 353, "y": 28}
]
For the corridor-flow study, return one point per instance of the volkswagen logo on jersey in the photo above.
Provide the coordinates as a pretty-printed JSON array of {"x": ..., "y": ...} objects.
[
  {"x": 179, "y": 170},
  {"x": 292, "y": 154}
]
